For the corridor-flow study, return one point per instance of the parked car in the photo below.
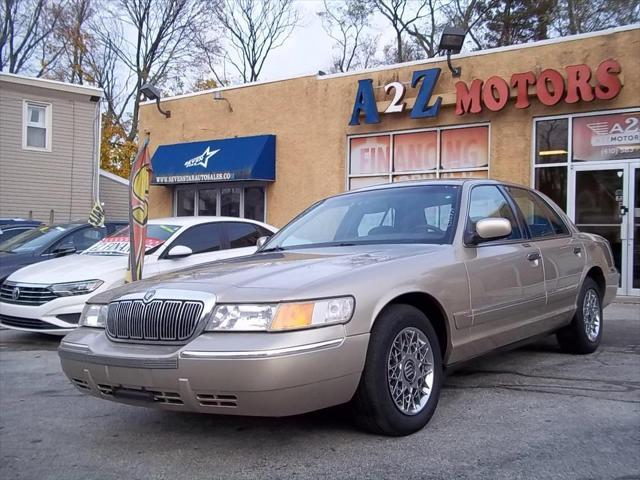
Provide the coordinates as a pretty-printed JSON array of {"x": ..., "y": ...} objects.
[
  {"x": 367, "y": 297},
  {"x": 10, "y": 227},
  {"x": 49, "y": 297},
  {"x": 50, "y": 241}
]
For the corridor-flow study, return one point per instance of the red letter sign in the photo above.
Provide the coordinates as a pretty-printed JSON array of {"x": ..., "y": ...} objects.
[
  {"x": 608, "y": 82},
  {"x": 468, "y": 100},
  {"x": 521, "y": 82},
  {"x": 493, "y": 86},
  {"x": 578, "y": 86},
  {"x": 542, "y": 87}
]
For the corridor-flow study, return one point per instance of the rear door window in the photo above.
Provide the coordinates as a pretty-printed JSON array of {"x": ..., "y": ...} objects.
[
  {"x": 540, "y": 218},
  {"x": 242, "y": 234}
]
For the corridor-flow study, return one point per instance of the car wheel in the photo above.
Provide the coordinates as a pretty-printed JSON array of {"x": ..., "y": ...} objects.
[
  {"x": 584, "y": 332},
  {"x": 400, "y": 384}
]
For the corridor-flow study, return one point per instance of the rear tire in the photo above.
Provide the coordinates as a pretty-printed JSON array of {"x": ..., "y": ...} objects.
[
  {"x": 584, "y": 333},
  {"x": 400, "y": 385}
]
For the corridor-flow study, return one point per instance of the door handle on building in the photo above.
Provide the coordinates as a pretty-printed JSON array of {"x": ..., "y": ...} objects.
[{"x": 623, "y": 210}]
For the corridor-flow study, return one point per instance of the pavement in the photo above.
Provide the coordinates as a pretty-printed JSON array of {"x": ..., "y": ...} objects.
[{"x": 532, "y": 413}]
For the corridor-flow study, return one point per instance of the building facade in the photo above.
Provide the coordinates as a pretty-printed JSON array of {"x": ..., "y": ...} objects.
[
  {"x": 561, "y": 115},
  {"x": 49, "y": 141}
]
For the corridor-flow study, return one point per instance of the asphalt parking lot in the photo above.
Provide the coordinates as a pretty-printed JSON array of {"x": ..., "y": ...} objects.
[{"x": 530, "y": 413}]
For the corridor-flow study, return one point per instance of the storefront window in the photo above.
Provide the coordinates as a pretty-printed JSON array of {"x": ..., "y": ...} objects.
[
  {"x": 434, "y": 153},
  {"x": 221, "y": 200},
  {"x": 254, "y": 203},
  {"x": 370, "y": 155},
  {"x": 230, "y": 202},
  {"x": 185, "y": 202},
  {"x": 606, "y": 137},
  {"x": 207, "y": 201},
  {"x": 552, "y": 141},
  {"x": 552, "y": 181},
  {"x": 465, "y": 148},
  {"x": 415, "y": 151}
]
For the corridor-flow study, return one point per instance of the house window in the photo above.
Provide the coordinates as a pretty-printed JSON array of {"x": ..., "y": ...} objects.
[
  {"x": 37, "y": 126},
  {"x": 423, "y": 154}
]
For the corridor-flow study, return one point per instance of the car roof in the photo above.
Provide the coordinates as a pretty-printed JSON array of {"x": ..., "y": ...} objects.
[{"x": 184, "y": 221}]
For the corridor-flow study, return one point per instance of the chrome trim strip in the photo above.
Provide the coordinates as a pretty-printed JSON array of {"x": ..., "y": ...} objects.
[
  {"x": 130, "y": 362},
  {"x": 278, "y": 352}
]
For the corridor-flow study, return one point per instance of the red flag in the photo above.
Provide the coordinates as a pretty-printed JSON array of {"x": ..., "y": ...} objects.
[{"x": 139, "y": 181}]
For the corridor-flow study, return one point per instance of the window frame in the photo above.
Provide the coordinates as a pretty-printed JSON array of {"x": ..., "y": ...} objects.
[
  {"x": 218, "y": 187},
  {"x": 437, "y": 173},
  {"x": 568, "y": 208},
  {"x": 48, "y": 114}
]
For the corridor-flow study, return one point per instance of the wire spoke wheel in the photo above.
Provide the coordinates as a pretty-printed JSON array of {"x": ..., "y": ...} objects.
[
  {"x": 591, "y": 314},
  {"x": 410, "y": 370}
]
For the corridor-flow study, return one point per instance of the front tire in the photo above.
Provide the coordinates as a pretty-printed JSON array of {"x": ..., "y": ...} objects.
[
  {"x": 400, "y": 385},
  {"x": 584, "y": 333}
]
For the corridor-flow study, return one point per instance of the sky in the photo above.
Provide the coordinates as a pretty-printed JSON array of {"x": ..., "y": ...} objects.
[{"x": 309, "y": 48}]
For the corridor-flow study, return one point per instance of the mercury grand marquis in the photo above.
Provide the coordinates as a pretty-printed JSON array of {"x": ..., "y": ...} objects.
[{"x": 367, "y": 297}]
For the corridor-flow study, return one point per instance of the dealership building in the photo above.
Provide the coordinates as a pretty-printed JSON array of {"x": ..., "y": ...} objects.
[{"x": 561, "y": 115}]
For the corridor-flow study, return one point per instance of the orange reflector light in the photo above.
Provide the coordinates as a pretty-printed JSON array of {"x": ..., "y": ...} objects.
[{"x": 292, "y": 315}]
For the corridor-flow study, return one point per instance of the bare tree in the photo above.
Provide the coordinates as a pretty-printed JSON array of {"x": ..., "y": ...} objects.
[
  {"x": 252, "y": 30},
  {"x": 150, "y": 39},
  {"x": 402, "y": 15},
  {"x": 581, "y": 16},
  {"x": 346, "y": 24},
  {"x": 470, "y": 15},
  {"x": 26, "y": 28}
]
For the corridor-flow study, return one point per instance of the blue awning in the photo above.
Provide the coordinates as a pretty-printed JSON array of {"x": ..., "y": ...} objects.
[{"x": 240, "y": 158}]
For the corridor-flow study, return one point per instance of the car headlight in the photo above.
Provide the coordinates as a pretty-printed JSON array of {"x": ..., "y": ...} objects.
[
  {"x": 94, "y": 316},
  {"x": 75, "y": 288},
  {"x": 283, "y": 316}
]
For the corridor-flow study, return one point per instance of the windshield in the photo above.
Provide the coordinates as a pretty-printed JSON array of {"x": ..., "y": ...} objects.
[
  {"x": 118, "y": 244},
  {"x": 416, "y": 214},
  {"x": 32, "y": 240}
]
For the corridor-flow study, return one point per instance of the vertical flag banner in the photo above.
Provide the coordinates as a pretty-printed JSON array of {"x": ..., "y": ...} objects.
[
  {"x": 96, "y": 216},
  {"x": 139, "y": 181}
]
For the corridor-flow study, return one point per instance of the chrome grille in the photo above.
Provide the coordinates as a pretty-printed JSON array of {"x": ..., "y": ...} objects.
[
  {"x": 27, "y": 294},
  {"x": 156, "y": 321}
]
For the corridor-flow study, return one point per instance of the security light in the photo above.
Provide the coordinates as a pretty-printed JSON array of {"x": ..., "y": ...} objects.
[
  {"x": 151, "y": 92},
  {"x": 451, "y": 41}
]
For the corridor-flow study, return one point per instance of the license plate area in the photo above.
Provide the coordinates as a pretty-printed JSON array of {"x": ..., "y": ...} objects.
[{"x": 133, "y": 394}]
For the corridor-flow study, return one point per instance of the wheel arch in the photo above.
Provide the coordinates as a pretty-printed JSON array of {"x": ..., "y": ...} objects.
[
  {"x": 597, "y": 275},
  {"x": 434, "y": 311}
]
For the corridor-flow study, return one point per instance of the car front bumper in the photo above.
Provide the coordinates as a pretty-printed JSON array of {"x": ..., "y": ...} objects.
[
  {"x": 264, "y": 374},
  {"x": 46, "y": 318}
]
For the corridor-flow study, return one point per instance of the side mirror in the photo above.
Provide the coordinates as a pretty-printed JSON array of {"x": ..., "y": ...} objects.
[
  {"x": 179, "y": 251},
  {"x": 492, "y": 229},
  {"x": 261, "y": 241},
  {"x": 62, "y": 251}
]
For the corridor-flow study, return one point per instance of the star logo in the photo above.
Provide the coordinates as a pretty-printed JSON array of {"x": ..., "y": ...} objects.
[{"x": 201, "y": 160}]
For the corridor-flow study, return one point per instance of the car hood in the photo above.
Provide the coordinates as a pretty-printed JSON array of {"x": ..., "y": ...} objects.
[
  {"x": 71, "y": 268},
  {"x": 272, "y": 275},
  {"x": 10, "y": 262}
]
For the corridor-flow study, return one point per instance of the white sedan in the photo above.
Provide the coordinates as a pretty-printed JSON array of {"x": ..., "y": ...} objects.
[{"x": 48, "y": 297}]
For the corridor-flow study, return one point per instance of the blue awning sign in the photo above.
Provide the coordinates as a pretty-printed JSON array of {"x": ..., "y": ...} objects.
[{"x": 240, "y": 158}]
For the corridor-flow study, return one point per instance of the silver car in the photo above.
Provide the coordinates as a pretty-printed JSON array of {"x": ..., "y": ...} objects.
[{"x": 367, "y": 297}]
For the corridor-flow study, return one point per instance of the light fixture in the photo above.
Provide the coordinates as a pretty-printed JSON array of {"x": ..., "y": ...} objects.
[
  {"x": 544, "y": 153},
  {"x": 152, "y": 93},
  {"x": 217, "y": 95},
  {"x": 451, "y": 41}
]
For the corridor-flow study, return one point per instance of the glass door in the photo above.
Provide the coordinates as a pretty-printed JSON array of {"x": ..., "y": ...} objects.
[
  {"x": 601, "y": 195},
  {"x": 633, "y": 240}
]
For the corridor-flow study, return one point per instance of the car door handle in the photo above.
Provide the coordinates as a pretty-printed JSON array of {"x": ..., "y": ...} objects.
[
  {"x": 577, "y": 250},
  {"x": 533, "y": 256}
]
